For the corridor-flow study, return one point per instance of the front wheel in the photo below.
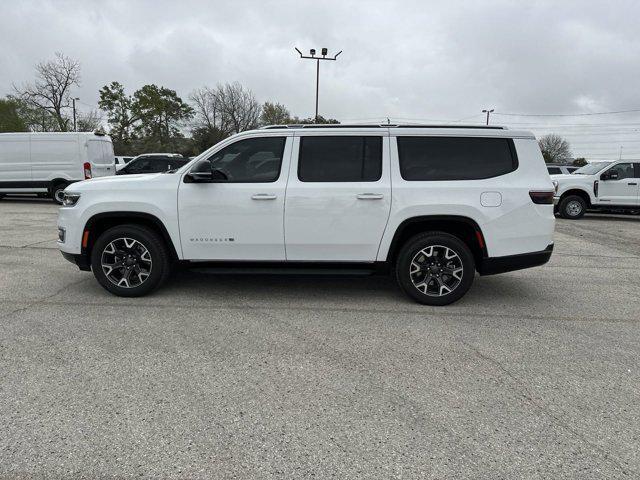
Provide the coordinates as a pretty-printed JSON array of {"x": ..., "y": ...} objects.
[
  {"x": 435, "y": 268},
  {"x": 57, "y": 192},
  {"x": 130, "y": 260},
  {"x": 572, "y": 207}
]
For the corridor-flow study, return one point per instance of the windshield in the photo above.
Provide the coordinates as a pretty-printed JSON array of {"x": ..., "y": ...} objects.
[{"x": 591, "y": 168}]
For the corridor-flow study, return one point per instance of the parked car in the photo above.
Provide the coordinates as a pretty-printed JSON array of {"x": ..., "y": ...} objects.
[
  {"x": 556, "y": 169},
  {"x": 598, "y": 186},
  {"x": 122, "y": 161},
  {"x": 431, "y": 204},
  {"x": 153, "y": 163},
  {"x": 45, "y": 163}
]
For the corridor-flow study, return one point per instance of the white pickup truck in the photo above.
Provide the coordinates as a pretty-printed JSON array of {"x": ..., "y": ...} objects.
[{"x": 598, "y": 185}]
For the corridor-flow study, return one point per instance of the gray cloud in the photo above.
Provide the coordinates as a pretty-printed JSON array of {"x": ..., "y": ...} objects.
[{"x": 410, "y": 60}]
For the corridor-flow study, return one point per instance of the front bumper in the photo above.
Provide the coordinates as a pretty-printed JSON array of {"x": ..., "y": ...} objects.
[
  {"x": 556, "y": 200},
  {"x": 509, "y": 263},
  {"x": 82, "y": 261}
]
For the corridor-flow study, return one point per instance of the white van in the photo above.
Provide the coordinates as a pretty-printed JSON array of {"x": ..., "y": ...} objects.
[{"x": 45, "y": 163}]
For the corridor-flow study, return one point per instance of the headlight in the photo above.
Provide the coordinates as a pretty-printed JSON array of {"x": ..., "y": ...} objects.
[{"x": 70, "y": 199}]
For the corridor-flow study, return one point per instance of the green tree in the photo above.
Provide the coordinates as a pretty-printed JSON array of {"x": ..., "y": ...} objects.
[
  {"x": 309, "y": 121},
  {"x": 160, "y": 112},
  {"x": 117, "y": 104},
  {"x": 274, "y": 114},
  {"x": 10, "y": 118},
  {"x": 580, "y": 162}
]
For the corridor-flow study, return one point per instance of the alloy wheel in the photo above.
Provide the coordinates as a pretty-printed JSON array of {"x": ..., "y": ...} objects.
[
  {"x": 436, "y": 270},
  {"x": 126, "y": 262}
]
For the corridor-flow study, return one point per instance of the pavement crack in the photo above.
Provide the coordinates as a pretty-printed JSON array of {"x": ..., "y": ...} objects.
[
  {"x": 41, "y": 301},
  {"x": 539, "y": 406}
]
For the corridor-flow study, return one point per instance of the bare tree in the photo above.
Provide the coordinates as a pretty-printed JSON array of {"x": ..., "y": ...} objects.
[
  {"x": 554, "y": 148},
  {"x": 50, "y": 91},
  {"x": 239, "y": 108},
  {"x": 223, "y": 111},
  {"x": 89, "y": 121},
  {"x": 206, "y": 108}
]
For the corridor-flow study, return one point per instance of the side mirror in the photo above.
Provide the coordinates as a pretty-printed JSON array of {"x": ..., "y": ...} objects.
[
  {"x": 208, "y": 176},
  {"x": 218, "y": 175},
  {"x": 610, "y": 175}
]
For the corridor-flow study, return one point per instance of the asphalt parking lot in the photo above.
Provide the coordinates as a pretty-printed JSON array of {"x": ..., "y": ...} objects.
[{"x": 534, "y": 374}]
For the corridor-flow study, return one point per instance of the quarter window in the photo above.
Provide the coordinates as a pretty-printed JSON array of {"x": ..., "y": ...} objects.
[
  {"x": 455, "y": 158},
  {"x": 340, "y": 159},
  {"x": 554, "y": 170},
  {"x": 254, "y": 160}
]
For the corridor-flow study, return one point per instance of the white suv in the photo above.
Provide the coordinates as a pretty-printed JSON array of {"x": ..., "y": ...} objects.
[
  {"x": 598, "y": 186},
  {"x": 432, "y": 204}
]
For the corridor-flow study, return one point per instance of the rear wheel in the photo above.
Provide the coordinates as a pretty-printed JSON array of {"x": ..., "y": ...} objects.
[
  {"x": 130, "y": 260},
  {"x": 572, "y": 207},
  {"x": 435, "y": 268},
  {"x": 57, "y": 192}
]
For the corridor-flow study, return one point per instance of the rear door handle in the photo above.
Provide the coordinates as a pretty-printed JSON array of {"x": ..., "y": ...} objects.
[
  {"x": 263, "y": 196},
  {"x": 370, "y": 196}
]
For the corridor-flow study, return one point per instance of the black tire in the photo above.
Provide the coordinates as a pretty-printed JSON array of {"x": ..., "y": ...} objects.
[
  {"x": 572, "y": 207},
  {"x": 55, "y": 192},
  {"x": 440, "y": 241},
  {"x": 158, "y": 270}
]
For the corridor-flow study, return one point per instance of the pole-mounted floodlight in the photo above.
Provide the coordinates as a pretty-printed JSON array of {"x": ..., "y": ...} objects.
[
  {"x": 312, "y": 56},
  {"x": 488, "y": 112}
]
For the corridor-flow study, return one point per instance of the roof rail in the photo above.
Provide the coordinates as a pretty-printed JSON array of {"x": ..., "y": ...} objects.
[{"x": 382, "y": 125}]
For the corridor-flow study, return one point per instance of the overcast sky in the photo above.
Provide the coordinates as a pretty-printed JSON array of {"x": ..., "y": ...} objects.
[{"x": 421, "y": 61}]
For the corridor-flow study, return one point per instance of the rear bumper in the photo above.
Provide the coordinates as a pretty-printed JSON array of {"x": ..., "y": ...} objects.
[
  {"x": 80, "y": 260},
  {"x": 493, "y": 265}
]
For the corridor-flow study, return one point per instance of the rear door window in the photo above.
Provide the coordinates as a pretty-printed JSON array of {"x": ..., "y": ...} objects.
[
  {"x": 554, "y": 170},
  {"x": 455, "y": 158},
  {"x": 340, "y": 159}
]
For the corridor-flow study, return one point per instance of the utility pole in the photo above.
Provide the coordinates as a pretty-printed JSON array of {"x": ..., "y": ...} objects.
[
  {"x": 312, "y": 56},
  {"x": 75, "y": 128},
  {"x": 488, "y": 112}
]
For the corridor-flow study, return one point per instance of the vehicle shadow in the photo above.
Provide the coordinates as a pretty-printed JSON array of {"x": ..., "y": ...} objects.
[
  {"x": 18, "y": 199},
  {"x": 373, "y": 292},
  {"x": 616, "y": 217}
]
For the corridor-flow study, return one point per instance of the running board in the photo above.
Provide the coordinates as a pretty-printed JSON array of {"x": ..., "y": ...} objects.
[{"x": 286, "y": 268}]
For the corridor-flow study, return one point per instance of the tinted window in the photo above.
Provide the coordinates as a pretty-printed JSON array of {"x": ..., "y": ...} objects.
[
  {"x": 572, "y": 169},
  {"x": 340, "y": 159},
  {"x": 153, "y": 164},
  {"x": 554, "y": 170},
  {"x": 625, "y": 170},
  {"x": 253, "y": 160},
  {"x": 455, "y": 158}
]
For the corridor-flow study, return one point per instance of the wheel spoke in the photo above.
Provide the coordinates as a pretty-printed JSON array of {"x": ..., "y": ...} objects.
[
  {"x": 436, "y": 270},
  {"x": 126, "y": 262}
]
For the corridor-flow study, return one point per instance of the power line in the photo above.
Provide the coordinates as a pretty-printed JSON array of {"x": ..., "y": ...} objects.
[{"x": 566, "y": 114}]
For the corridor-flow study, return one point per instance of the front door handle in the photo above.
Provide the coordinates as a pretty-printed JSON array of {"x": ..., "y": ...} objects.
[
  {"x": 632, "y": 183},
  {"x": 263, "y": 196},
  {"x": 370, "y": 196}
]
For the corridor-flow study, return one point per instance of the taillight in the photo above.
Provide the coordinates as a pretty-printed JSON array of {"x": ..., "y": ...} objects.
[
  {"x": 542, "y": 198},
  {"x": 595, "y": 188},
  {"x": 87, "y": 170}
]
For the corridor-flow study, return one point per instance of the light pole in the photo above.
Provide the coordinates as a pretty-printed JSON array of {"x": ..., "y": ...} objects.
[
  {"x": 312, "y": 56},
  {"x": 75, "y": 128},
  {"x": 488, "y": 112}
]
